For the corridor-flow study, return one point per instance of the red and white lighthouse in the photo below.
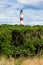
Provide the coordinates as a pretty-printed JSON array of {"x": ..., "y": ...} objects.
[{"x": 21, "y": 17}]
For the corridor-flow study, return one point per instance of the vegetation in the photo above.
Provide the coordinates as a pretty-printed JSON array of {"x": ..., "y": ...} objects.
[
  {"x": 16, "y": 40},
  {"x": 21, "y": 61}
]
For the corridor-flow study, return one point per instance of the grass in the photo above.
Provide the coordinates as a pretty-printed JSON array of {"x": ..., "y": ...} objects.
[{"x": 21, "y": 61}]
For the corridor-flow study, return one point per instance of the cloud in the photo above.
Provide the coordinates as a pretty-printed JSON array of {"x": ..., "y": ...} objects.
[
  {"x": 10, "y": 11},
  {"x": 30, "y": 2},
  {"x": 36, "y": 23},
  {"x": 32, "y": 17},
  {"x": 9, "y": 17}
]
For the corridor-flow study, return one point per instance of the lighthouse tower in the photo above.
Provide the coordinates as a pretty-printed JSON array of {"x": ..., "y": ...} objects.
[{"x": 21, "y": 17}]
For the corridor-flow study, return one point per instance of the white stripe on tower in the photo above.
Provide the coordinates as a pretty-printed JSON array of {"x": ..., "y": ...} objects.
[{"x": 21, "y": 17}]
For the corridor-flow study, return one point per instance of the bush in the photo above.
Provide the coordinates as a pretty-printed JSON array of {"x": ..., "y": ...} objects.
[{"x": 20, "y": 40}]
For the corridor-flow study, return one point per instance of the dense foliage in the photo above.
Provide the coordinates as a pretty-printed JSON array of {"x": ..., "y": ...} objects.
[{"x": 16, "y": 40}]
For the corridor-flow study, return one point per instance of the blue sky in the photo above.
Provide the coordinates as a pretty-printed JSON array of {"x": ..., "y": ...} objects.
[{"x": 10, "y": 11}]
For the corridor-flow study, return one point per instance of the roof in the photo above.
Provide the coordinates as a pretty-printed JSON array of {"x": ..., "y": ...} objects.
[{"x": 21, "y": 10}]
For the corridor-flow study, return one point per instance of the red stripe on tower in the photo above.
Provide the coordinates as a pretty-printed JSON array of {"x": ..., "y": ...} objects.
[{"x": 21, "y": 18}]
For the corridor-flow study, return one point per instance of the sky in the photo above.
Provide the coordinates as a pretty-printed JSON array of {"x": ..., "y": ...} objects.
[{"x": 32, "y": 11}]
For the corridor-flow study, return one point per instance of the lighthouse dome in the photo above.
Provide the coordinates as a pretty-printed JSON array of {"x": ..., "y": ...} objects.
[{"x": 21, "y": 10}]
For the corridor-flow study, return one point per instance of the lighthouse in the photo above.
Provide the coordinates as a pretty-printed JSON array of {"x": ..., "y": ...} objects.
[{"x": 21, "y": 17}]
